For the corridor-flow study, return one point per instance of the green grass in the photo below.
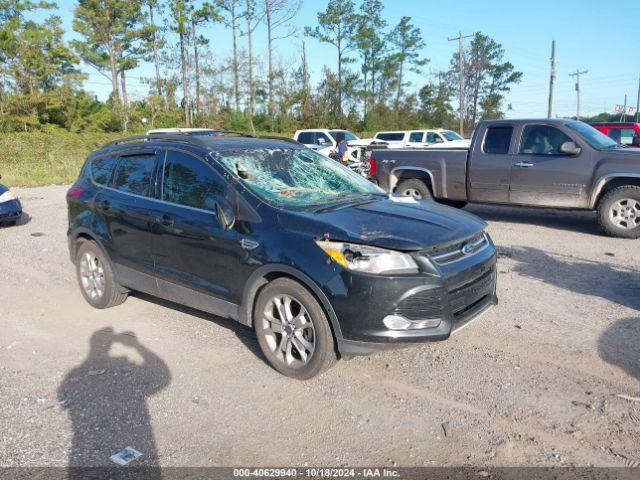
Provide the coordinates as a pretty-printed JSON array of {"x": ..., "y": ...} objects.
[{"x": 43, "y": 158}]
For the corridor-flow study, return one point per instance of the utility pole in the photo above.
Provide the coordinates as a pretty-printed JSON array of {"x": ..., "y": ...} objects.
[
  {"x": 460, "y": 38},
  {"x": 552, "y": 79},
  {"x": 638, "y": 102},
  {"x": 623, "y": 117},
  {"x": 577, "y": 74}
]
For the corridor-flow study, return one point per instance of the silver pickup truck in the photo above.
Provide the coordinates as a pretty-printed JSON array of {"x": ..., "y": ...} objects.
[{"x": 540, "y": 163}]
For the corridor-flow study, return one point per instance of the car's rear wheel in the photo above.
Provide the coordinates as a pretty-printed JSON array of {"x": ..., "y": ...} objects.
[
  {"x": 414, "y": 187},
  {"x": 95, "y": 277},
  {"x": 293, "y": 330},
  {"x": 619, "y": 212}
]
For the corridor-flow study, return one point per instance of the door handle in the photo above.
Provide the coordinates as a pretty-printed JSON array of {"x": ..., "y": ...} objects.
[
  {"x": 523, "y": 164},
  {"x": 165, "y": 220}
]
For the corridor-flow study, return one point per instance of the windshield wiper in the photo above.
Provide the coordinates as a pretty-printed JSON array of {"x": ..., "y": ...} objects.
[{"x": 345, "y": 202}]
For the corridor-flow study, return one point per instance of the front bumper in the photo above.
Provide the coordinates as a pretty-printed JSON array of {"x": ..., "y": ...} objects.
[
  {"x": 448, "y": 299},
  {"x": 10, "y": 211}
]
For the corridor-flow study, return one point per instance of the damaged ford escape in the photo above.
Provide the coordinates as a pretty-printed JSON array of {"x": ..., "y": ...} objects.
[{"x": 318, "y": 261}]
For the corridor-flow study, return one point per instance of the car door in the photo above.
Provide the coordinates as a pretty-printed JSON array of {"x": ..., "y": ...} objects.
[
  {"x": 124, "y": 207},
  {"x": 490, "y": 164},
  {"x": 190, "y": 248},
  {"x": 542, "y": 175}
]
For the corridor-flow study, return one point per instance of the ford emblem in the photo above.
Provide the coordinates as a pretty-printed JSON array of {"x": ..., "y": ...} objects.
[{"x": 468, "y": 248}]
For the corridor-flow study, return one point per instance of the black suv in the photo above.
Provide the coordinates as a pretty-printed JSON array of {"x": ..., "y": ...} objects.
[{"x": 319, "y": 261}]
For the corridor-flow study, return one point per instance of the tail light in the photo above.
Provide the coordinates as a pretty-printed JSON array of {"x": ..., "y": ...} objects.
[
  {"x": 75, "y": 192},
  {"x": 373, "y": 165}
]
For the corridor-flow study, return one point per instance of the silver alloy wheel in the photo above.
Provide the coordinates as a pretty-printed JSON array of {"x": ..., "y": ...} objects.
[
  {"x": 625, "y": 213},
  {"x": 92, "y": 276},
  {"x": 412, "y": 192},
  {"x": 288, "y": 330}
]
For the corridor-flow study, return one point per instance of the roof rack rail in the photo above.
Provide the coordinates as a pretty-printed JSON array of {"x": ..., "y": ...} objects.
[{"x": 176, "y": 137}]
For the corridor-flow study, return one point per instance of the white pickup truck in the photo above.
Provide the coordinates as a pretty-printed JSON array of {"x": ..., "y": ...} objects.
[{"x": 422, "y": 139}]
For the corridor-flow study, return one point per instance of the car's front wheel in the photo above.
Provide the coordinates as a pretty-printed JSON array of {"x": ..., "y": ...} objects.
[
  {"x": 95, "y": 277},
  {"x": 293, "y": 330},
  {"x": 619, "y": 212}
]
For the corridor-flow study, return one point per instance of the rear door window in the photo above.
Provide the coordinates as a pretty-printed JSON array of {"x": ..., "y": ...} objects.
[
  {"x": 415, "y": 137},
  {"x": 306, "y": 138},
  {"x": 189, "y": 181},
  {"x": 134, "y": 173},
  {"x": 497, "y": 139},
  {"x": 390, "y": 137},
  {"x": 102, "y": 168}
]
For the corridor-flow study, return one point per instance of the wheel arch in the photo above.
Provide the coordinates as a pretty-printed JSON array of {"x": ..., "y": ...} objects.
[
  {"x": 608, "y": 182},
  {"x": 80, "y": 235},
  {"x": 399, "y": 174},
  {"x": 267, "y": 273}
]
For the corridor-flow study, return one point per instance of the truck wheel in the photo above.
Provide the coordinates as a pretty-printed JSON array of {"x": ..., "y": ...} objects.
[
  {"x": 619, "y": 212},
  {"x": 415, "y": 188},
  {"x": 95, "y": 276},
  {"x": 293, "y": 330}
]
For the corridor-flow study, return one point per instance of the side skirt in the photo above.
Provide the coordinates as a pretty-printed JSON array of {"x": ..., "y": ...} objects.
[{"x": 143, "y": 282}]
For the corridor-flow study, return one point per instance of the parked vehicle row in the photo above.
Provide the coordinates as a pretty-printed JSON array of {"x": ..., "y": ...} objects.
[
  {"x": 422, "y": 139},
  {"x": 318, "y": 260},
  {"x": 541, "y": 163}
]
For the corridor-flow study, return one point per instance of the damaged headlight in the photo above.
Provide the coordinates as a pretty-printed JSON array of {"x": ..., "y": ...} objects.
[
  {"x": 7, "y": 196},
  {"x": 367, "y": 259}
]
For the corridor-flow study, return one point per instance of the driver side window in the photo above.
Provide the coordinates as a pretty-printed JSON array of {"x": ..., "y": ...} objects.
[{"x": 542, "y": 140}]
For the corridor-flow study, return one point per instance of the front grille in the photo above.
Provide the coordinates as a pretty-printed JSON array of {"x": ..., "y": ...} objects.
[
  {"x": 465, "y": 297},
  {"x": 423, "y": 305},
  {"x": 452, "y": 252}
]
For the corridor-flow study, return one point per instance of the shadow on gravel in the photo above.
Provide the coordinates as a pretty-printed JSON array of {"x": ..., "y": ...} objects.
[
  {"x": 611, "y": 282},
  {"x": 106, "y": 399},
  {"x": 245, "y": 334},
  {"x": 572, "y": 221},
  {"x": 619, "y": 345}
]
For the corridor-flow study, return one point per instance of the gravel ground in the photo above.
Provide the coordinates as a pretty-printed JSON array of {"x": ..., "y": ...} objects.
[{"x": 536, "y": 381}]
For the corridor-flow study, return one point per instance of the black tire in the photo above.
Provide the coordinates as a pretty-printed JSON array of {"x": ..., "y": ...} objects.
[
  {"x": 323, "y": 355},
  {"x": 606, "y": 215},
  {"x": 414, "y": 185},
  {"x": 113, "y": 293}
]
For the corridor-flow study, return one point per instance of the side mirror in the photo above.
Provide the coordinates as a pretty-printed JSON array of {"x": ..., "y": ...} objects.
[
  {"x": 226, "y": 217},
  {"x": 570, "y": 148}
]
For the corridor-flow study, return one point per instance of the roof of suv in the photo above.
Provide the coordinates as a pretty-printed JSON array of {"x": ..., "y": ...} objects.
[{"x": 242, "y": 141}]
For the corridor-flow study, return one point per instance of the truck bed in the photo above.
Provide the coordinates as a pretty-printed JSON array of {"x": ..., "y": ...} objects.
[{"x": 446, "y": 167}]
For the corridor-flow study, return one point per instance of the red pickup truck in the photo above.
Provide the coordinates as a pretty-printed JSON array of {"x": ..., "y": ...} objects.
[{"x": 624, "y": 133}]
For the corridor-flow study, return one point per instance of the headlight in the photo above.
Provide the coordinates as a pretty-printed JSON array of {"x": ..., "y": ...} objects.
[
  {"x": 363, "y": 258},
  {"x": 7, "y": 196}
]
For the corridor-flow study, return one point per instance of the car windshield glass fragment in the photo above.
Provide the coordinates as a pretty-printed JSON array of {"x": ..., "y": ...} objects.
[
  {"x": 295, "y": 177},
  {"x": 593, "y": 137},
  {"x": 451, "y": 136},
  {"x": 348, "y": 136}
]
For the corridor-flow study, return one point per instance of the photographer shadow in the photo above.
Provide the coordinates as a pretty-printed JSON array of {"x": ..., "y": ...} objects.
[{"x": 106, "y": 399}]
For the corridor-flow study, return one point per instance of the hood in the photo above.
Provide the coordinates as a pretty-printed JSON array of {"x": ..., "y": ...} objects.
[{"x": 398, "y": 224}]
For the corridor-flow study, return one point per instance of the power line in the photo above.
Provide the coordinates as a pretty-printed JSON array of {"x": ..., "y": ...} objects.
[{"x": 460, "y": 39}]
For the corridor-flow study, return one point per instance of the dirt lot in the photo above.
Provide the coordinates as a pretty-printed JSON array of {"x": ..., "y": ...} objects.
[{"x": 536, "y": 381}]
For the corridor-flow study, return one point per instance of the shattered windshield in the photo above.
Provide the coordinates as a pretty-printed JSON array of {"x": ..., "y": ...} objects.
[{"x": 295, "y": 177}]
